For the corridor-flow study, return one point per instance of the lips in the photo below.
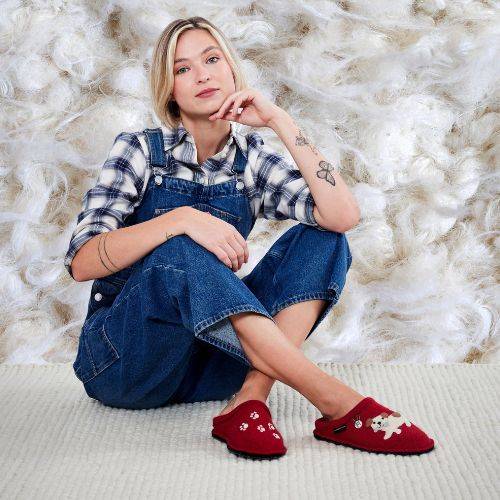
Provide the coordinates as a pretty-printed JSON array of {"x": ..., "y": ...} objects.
[{"x": 206, "y": 91}]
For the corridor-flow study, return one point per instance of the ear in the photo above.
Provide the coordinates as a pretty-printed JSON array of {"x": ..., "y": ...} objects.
[
  {"x": 396, "y": 414},
  {"x": 368, "y": 422},
  {"x": 384, "y": 415}
]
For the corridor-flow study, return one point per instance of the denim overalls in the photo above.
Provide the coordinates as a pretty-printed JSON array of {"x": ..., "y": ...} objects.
[{"x": 158, "y": 332}]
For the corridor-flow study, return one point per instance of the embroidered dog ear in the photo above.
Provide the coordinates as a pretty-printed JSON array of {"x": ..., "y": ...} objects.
[
  {"x": 396, "y": 414},
  {"x": 368, "y": 422},
  {"x": 384, "y": 415}
]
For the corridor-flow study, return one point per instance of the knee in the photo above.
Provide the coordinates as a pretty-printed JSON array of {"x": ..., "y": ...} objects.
[
  {"x": 327, "y": 251},
  {"x": 178, "y": 252},
  {"x": 325, "y": 242}
]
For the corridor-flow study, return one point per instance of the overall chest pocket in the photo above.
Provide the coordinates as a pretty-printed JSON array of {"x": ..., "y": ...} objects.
[{"x": 205, "y": 207}]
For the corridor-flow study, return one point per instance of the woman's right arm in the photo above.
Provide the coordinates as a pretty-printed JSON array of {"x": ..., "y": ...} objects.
[
  {"x": 109, "y": 252},
  {"x": 126, "y": 245},
  {"x": 102, "y": 245}
]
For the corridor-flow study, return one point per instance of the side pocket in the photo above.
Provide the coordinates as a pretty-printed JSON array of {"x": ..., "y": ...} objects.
[{"x": 95, "y": 354}]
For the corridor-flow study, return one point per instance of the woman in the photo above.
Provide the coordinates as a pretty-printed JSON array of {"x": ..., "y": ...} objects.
[{"x": 163, "y": 232}]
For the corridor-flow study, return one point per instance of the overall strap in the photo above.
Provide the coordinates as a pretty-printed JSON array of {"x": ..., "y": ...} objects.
[
  {"x": 156, "y": 147},
  {"x": 240, "y": 161}
]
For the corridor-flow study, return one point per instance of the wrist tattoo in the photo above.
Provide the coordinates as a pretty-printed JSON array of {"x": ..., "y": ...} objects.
[
  {"x": 168, "y": 236},
  {"x": 326, "y": 172},
  {"x": 301, "y": 140}
]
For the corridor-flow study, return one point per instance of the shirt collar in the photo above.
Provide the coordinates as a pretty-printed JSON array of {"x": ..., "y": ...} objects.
[{"x": 173, "y": 137}]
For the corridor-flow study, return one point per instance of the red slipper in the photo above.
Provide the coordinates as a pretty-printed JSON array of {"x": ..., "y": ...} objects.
[
  {"x": 248, "y": 431},
  {"x": 369, "y": 426}
]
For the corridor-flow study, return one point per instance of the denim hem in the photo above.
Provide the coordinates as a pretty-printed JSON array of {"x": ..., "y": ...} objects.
[
  {"x": 219, "y": 343},
  {"x": 332, "y": 294},
  {"x": 229, "y": 312},
  {"x": 228, "y": 348},
  {"x": 301, "y": 297}
]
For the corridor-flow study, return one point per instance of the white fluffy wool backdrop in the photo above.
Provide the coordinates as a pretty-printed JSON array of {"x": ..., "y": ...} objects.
[{"x": 401, "y": 95}]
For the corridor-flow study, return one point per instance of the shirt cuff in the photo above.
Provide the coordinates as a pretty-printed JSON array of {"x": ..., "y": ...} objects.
[{"x": 310, "y": 213}]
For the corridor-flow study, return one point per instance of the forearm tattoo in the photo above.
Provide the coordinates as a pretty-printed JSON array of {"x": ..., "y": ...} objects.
[
  {"x": 103, "y": 247},
  {"x": 301, "y": 140},
  {"x": 326, "y": 169},
  {"x": 99, "y": 246},
  {"x": 326, "y": 172}
]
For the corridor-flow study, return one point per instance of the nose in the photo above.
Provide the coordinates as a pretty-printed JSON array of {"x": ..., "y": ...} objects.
[{"x": 202, "y": 73}]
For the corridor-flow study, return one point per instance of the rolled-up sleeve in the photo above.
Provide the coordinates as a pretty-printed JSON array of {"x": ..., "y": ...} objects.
[
  {"x": 283, "y": 190},
  {"x": 114, "y": 196}
]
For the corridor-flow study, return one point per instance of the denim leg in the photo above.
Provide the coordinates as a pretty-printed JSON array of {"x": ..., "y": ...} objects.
[
  {"x": 154, "y": 348},
  {"x": 206, "y": 292},
  {"x": 212, "y": 375},
  {"x": 171, "y": 326},
  {"x": 303, "y": 264}
]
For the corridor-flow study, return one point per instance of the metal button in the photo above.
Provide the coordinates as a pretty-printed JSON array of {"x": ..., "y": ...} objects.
[
  {"x": 97, "y": 296},
  {"x": 240, "y": 185},
  {"x": 158, "y": 179}
]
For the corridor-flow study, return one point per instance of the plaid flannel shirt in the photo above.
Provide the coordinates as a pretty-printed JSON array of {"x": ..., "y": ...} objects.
[{"x": 276, "y": 188}]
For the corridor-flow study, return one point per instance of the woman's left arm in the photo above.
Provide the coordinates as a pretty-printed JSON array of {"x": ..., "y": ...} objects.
[{"x": 336, "y": 208}]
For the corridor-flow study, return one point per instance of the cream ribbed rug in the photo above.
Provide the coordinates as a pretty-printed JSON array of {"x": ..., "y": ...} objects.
[{"x": 55, "y": 442}]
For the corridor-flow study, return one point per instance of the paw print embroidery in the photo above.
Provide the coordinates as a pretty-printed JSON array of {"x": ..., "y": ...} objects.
[
  {"x": 276, "y": 435},
  {"x": 261, "y": 428},
  {"x": 243, "y": 426},
  {"x": 270, "y": 425},
  {"x": 254, "y": 415}
]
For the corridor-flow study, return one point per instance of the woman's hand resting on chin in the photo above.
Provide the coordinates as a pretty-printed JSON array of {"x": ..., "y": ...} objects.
[{"x": 258, "y": 111}]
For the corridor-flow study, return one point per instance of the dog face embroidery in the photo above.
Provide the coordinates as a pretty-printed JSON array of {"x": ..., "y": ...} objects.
[{"x": 389, "y": 423}]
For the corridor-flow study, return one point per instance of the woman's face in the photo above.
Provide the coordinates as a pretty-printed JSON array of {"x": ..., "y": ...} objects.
[{"x": 199, "y": 71}]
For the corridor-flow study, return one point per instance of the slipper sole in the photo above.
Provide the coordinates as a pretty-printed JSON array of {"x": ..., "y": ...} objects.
[
  {"x": 246, "y": 454},
  {"x": 385, "y": 452}
]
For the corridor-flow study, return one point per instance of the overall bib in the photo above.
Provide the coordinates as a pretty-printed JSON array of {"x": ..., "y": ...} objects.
[{"x": 158, "y": 332}]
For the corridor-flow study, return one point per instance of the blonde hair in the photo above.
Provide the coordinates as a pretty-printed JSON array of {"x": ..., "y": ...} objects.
[{"x": 162, "y": 66}]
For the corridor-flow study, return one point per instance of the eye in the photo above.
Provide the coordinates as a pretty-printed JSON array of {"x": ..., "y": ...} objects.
[{"x": 183, "y": 67}]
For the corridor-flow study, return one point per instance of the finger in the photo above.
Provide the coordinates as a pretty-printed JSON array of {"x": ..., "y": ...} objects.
[
  {"x": 236, "y": 253},
  {"x": 232, "y": 254},
  {"x": 236, "y": 106},
  {"x": 226, "y": 104},
  {"x": 223, "y": 112},
  {"x": 240, "y": 249},
  {"x": 221, "y": 254},
  {"x": 243, "y": 243},
  {"x": 233, "y": 104}
]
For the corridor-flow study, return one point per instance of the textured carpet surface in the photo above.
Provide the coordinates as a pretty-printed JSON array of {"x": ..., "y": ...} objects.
[{"x": 56, "y": 442}]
